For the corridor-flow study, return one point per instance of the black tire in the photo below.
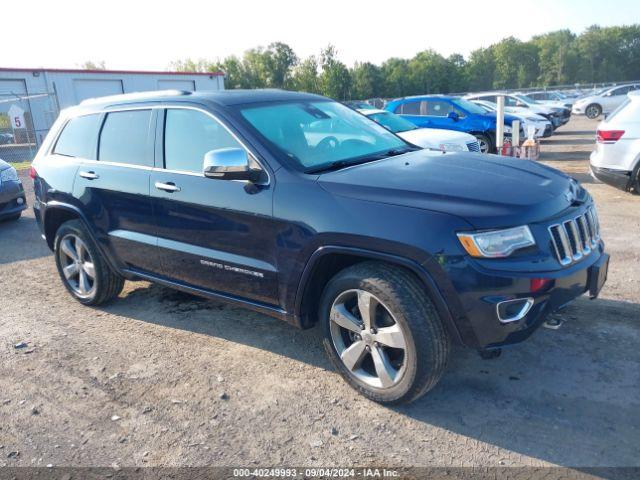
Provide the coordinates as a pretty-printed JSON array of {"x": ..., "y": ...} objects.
[
  {"x": 485, "y": 140},
  {"x": 426, "y": 339},
  {"x": 593, "y": 111},
  {"x": 635, "y": 180},
  {"x": 107, "y": 283}
]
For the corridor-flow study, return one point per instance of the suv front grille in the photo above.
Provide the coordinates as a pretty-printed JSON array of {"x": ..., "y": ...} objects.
[
  {"x": 473, "y": 146},
  {"x": 574, "y": 238}
]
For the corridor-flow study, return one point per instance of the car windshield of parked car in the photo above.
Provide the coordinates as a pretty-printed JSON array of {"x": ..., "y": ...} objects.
[
  {"x": 318, "y": 134},
  {"x": 526, "y": 99},
  {"x": 470, "y": 107},
  {"x": 392, "y": 122}
]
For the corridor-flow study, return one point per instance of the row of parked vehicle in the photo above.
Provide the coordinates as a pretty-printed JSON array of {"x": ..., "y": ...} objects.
[{"x": 429, "y": 120}]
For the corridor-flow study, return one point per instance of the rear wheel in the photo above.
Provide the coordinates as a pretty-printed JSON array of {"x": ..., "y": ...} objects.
[
  {"x": 486, "y": 146},
  {"x": 635, "y": 180},
  {"x": 82, "y": 269},
  {"x": 382, "y": 332},
  {"x": 593, "y": 111}
]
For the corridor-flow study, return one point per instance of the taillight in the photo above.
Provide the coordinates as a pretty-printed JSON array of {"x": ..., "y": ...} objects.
[
  {"x": 32, "y": 173},
  {"x": 608, "y": 136}
]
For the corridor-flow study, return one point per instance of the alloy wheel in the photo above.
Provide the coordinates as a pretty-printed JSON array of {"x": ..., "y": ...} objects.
[
  {"x": 368, "y": 339},
  {"x": 592, "y": 111},
  {"x": 77, "y": 266},
  {"x": 484, "y": 145}
]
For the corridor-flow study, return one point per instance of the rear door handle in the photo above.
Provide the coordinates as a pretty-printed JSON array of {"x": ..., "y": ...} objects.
[
  {"x": 167, "y": 187},
  {"x": 89, "y": 175}
]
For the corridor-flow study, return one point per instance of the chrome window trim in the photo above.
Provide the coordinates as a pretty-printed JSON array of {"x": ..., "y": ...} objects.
[{"x": 108, "y": 110}]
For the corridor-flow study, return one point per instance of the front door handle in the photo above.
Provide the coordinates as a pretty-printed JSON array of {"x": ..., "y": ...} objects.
[
  {"x": 167, "y": 187},
  {"x": 89, "y": 175}
]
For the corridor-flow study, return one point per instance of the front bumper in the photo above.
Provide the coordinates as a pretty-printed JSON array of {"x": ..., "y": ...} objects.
[
  {"x": 12, "y": 198},
  {"x": 616, "y": 178},
  {"x": 481, "y": 291}
]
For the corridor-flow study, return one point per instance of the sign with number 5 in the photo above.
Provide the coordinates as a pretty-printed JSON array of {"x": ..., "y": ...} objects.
[{"x": 16, "y": 114}]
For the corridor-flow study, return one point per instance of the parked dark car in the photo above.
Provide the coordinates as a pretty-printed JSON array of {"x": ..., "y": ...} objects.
[
  {"x": 298, "y": 207},
  {"x": 12, "y": 199}
]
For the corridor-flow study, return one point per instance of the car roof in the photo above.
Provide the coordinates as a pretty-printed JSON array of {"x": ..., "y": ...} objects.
[
  {"x": 220, "y": 97},
  {"x": 426, "y": 97}
]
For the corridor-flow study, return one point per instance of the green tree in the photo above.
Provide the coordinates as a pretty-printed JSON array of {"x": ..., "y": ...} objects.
[
  {"x": 335, "y": 80},
  {"x": 516, "y": 63},
  {"x": 91, "y": 65},
  {"x": 305, "y": 76},
  {"x": 367, "y": 80},
  {"x": 480, "y": 69},
  {"x": 428, "y": 73},
  {"x": 557, "y": 57},
  {"x": 395, "y": 81}
]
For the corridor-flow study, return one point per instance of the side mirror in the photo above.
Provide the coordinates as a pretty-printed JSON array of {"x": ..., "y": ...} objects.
[
  {"x": 453, "y": 116},
  {"x": 229, "y": 164},
  {"x": 522, "y": 105}
]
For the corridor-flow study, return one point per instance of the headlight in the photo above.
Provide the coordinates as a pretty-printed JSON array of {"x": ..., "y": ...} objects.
[
  {"x": 507, "y": 129},
  {"x": 452, "y": 147},
  {"x": 8, "y": 175},
  {"x": 497, "y": 243}
]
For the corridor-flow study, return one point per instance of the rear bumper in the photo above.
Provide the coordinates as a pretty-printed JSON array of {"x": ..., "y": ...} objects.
[
  {"x": 481, "y": 291},
  {"x": 616, "y": 178},
  {"x": 12, "y": 198}
]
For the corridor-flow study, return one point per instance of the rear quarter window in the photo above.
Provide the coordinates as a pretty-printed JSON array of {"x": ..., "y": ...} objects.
[{"x": 78, "y": 137}]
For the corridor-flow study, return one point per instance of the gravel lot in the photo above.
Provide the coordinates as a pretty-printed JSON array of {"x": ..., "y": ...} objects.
[{"x": 162, "y": 378}]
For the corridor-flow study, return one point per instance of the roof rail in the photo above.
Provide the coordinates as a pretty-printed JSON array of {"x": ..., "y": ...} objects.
[{"x": 135, "y": 96}]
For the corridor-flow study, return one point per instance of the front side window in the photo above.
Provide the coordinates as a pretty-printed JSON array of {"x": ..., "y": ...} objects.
[
  {"x": 438, "y": 108},
  {"x": 78, "y": 138},
  {"x": 316, "y": 134},
  {"x": 124, "y": 138},
  {"x": 466, "y": 106},
  {"x": 188, "y": 135}
]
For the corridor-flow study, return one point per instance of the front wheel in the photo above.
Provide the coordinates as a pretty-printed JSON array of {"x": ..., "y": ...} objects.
[
  {"x": 382, "y": 332},
  {"x": 486, "y": 146},
  {"x": 593, "y": 111}
]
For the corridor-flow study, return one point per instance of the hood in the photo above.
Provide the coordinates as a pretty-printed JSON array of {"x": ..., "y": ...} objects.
[
  {"x": 486, "y": 190},
  {"x": 508, "y": 119},
  {"x": 433, "y": 137}
]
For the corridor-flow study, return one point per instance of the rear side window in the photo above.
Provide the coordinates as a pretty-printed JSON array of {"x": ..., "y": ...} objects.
[
  {"x": 409, "y": 108},
  {"x": 123, "y": 138},
  {"x": 78, "y": 137},
  {"x": 188, "y": 135}
]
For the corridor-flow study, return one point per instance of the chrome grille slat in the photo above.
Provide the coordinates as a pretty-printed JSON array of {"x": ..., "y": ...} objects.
[{"x": 576, "y": 237}]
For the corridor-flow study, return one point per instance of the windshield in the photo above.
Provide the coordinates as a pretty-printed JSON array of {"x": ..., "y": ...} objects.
[
  {"x": 392, "y": 122},
  {"x": 468, "y": 106},
  {"x": 319, "y": 133}
]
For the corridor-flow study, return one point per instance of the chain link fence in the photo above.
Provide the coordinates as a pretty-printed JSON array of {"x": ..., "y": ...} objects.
[{"x": 25, "y": 120}]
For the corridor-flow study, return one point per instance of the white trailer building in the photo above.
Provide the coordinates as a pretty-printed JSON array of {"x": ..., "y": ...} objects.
[{"x": 42, "y": 93}]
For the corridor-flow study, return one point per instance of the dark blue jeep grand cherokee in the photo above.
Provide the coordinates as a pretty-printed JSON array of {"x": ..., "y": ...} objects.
[{"x": 298, "y": 207}]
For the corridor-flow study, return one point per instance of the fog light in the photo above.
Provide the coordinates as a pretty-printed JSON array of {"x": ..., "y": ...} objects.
[
  {"x": 20, "y": 201},
  {"x": 513, "y": 310}
]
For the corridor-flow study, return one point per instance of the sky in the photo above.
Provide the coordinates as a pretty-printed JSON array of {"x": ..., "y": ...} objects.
[{"x": 148, "y": 35}]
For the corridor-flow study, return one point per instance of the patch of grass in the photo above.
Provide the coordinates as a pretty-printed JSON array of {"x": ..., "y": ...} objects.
[{"x": 20, "y": 165}]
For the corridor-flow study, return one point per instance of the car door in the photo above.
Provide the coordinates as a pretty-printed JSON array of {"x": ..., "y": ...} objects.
[
  {"x": 216, "y": 235},
  {"x": 437, "y": 111},
  {"x": 412, "y": 111},
  {"x": 114, "y": 188}
]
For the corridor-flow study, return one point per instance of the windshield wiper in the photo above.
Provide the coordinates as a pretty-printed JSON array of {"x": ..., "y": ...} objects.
[{"x": 338, "y": 164}]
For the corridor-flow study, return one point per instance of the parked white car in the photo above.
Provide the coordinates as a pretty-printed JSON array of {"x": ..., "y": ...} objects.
[
  {"x": 542, "y": 126},
  {"x": 616, "y": 160},
  {"x": 557, "y": 116},
  {"x": 605, "y": 101},
  {"x": 551, "y": 97},
  {"x": 432, "y": 138}
]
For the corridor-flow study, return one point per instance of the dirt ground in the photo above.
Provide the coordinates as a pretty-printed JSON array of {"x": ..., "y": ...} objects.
[{"x": 162, "y": 378}]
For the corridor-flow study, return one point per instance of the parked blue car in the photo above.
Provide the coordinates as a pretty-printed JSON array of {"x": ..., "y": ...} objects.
[{"x": 452, "y": 113}]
